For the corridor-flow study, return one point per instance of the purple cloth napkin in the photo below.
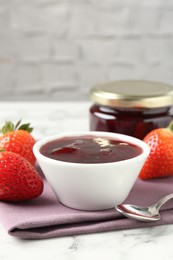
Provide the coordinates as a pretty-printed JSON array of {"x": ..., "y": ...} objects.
[{"x": 45, "y": 217}]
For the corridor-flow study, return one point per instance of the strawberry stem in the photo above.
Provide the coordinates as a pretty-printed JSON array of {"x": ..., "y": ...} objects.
[
  {"x": 17, "y": 124},
  {"x": 170, "y": 126},
  {"x": 10, "y": 127}
]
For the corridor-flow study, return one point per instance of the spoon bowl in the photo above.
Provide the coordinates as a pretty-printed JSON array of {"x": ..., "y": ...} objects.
[
  {"x": 150, "y": 213},
  {"x": 138, "y": 213}
]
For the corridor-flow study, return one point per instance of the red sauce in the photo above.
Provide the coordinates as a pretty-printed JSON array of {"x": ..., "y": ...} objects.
[
  {"x": 130, "y": 121},
  {"x": 89, "y": 149}
]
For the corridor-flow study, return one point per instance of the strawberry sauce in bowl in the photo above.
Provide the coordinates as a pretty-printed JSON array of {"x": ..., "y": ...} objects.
[
  {"x": 90, "y": 149},
  {"x": 91, "y": 170}
]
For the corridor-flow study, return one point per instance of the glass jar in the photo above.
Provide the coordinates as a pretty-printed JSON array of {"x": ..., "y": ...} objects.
[{"x": 131, "y": 107}]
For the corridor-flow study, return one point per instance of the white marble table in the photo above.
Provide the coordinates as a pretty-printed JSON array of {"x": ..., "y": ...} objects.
[{"x": 148, "y": 243}]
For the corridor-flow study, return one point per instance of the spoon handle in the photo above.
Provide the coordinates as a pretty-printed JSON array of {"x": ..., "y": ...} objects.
[{"x": 162, "y": 201}]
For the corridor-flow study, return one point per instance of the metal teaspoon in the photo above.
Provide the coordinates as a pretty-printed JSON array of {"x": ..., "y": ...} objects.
[{"x": 150, "y": 213}]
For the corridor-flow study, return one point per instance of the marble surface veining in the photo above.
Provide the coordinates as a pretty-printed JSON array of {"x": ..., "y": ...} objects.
[{"x": 146, "y": 243}]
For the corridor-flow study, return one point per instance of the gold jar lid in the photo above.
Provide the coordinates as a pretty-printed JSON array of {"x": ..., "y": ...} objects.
[{"x": 133, "y": 93}]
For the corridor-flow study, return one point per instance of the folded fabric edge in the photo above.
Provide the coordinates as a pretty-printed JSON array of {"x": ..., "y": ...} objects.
[{"x": 87, "y": 228}]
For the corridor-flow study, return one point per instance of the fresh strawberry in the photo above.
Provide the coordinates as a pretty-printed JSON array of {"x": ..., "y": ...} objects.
[
  {"x": 19, "y": 180},
  {"x": 160, "y": 160},
  {"x": 18, "y": 139}
]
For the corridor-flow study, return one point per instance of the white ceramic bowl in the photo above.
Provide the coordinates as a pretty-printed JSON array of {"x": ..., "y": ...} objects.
[{"x": 92, "y": 186}]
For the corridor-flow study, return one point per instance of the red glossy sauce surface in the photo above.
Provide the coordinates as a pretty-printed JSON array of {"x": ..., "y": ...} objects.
[
  {"x": 89, "y": 149},
  {"x": 134, "y": 122}
]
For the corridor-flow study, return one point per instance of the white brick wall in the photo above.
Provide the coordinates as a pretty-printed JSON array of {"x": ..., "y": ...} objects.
[{"x": 57, "y": 49}]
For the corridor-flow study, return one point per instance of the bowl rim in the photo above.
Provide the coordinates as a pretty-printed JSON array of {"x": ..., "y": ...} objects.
[{"x": 133, "y": 140}]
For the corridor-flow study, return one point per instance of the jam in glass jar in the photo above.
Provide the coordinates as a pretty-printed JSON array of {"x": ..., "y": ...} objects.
[{"x": 131, "y": 107}]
